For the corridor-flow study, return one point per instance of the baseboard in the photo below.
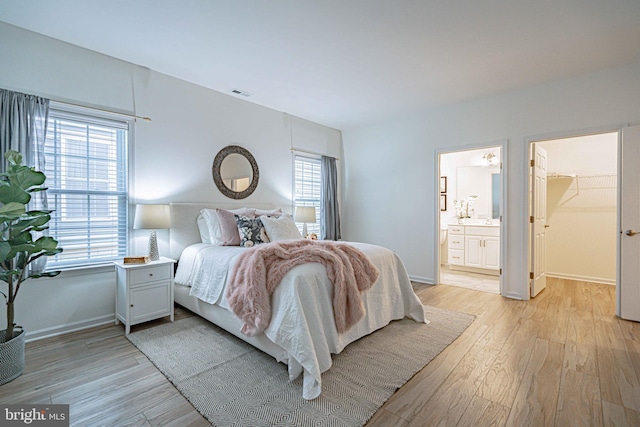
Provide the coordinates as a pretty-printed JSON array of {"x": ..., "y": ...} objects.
[
  {"x": 69, "y": 327},
  {"x": 582, "y": 278},
  {"x": 423, "y": 280}
]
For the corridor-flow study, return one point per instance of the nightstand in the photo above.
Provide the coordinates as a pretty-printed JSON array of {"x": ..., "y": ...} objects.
[{"x": 144, "y": 291}]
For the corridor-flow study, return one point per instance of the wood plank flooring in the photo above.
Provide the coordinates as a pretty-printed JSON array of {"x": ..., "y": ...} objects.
[{"x": 560, "y": 359}]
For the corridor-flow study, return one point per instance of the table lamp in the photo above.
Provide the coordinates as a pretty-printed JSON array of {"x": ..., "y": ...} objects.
[
  {"x": 305, "y": 214},
  {"x": 152, "y": 217}
]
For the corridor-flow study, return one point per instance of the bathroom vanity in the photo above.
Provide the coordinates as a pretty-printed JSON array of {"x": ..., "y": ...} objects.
[{"x": 474, "y": 246}]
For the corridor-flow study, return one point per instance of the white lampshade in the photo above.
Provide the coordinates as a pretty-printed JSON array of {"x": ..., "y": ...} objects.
[
  {"x": 152, "y": 217},
  {"x": 306, "y": 214}
]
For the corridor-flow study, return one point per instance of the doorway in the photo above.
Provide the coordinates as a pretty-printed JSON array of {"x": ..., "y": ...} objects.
[
  {"x": 471, "y": 185},
  {"x": 573, "y": 209}
]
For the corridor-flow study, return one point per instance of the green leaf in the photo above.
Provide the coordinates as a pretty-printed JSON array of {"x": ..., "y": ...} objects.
[
  {"x": 27, "y": 177},
  {"x": 5, "y": 248},
  {"x": 13, "y": 157},
  {"x": 12, "y": 209},
  {"x": 47, "y": 243},
  {"x": 13, "y": 193},
  {"x": 46, "y": 274}
]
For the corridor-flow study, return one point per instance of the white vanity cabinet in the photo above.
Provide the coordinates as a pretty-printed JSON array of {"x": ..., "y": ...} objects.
[
  {"x": 455, "y": 248},
  {"x": 474, "y": 247},
  {"x": 482, "y": 247}
]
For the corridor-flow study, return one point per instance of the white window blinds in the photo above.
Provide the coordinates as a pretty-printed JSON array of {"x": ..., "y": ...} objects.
[
  {"x": 307, "y": 185},
  {"x": 86, "y": 169}
]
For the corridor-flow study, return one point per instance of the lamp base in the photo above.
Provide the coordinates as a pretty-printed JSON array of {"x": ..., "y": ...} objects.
[
  {"x": 304, "y": 230},
  {"x": 153, "y": 246}
]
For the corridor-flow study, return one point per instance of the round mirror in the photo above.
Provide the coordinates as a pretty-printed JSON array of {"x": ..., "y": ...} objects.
[{"x": 235, "y": 172}]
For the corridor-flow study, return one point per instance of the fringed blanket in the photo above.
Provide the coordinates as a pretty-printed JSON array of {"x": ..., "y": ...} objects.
[{"x": 259, "y": 270}]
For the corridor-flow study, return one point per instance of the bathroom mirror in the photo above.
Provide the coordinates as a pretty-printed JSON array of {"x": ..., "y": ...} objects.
[
  {"x": 235, "y": 172},
  {"x": 483, "y": 182}
]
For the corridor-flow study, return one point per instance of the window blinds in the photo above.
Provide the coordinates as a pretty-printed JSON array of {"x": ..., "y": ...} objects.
[
  {"x": 86, "y": 169},
  {"x": 308, "y": 185}
]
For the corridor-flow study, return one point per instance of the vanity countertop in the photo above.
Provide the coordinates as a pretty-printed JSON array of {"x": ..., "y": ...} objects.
[{"x": 478, "y": 223}]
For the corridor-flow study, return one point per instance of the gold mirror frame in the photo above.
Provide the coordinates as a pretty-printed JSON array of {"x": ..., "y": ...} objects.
[{"x": 217, "y": 178}]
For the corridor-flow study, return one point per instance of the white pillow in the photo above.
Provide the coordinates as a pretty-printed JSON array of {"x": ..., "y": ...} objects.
[
  {"x": 282, "y": 228},
  {"x": 203, "y": 229},
  {"x": 213, "y": 224}
]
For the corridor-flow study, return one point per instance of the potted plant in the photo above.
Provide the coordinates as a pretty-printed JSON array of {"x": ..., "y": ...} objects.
[{"x": 19, "y": 247}]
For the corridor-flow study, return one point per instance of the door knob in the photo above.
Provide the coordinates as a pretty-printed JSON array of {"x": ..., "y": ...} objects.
[{"x": 631, "y": 232}]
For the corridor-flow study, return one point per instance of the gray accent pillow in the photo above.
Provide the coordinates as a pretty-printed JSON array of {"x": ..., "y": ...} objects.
[{"x": 251, "y": 231}]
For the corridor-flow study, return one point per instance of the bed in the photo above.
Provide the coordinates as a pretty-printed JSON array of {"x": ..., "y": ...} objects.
[{"x": 302, "y": 333}]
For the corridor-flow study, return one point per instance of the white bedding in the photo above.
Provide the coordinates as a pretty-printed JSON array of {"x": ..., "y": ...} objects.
[{"x": 302, "y": 316}]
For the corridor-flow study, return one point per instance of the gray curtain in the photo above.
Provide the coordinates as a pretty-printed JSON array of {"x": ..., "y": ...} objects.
[
  {"x": 329, "y": 209},
  {"x": 23, "y": 127}
]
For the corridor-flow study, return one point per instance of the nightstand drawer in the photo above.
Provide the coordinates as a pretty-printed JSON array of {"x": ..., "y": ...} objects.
[
  {"x": 456, "y": 256},
  {"x": 149, "y": 274}
]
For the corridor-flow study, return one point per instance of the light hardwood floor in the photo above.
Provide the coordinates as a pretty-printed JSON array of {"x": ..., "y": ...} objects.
[
  {"x": 478, "y": 282},
  {"x": 561, "y": 359}
]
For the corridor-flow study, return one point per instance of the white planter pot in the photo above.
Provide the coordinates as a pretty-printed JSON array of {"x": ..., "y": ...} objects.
[{"x": 11, "y": 357}]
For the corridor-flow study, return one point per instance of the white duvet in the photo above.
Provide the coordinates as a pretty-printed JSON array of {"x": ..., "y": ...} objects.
[{"x": 302, "y": 316}]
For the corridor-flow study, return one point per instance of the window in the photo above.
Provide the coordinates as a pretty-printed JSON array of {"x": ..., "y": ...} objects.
[
  {"x": 307, "y": 185},
  {"x": 86, "y": 168}
]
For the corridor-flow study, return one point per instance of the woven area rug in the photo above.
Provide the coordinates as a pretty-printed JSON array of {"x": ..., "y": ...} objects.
[{"x": 232, "y": 384}]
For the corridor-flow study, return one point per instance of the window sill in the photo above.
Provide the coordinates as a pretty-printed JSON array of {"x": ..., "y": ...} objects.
[{"x": 87, "y": 269}]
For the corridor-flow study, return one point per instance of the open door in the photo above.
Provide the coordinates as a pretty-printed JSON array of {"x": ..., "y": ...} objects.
[
  {"x": 538, "y": 219},
  {"x": 628, "y": 287}
]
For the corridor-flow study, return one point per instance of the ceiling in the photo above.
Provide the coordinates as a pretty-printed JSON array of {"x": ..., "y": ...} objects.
[{"x": 348, "y": 63}]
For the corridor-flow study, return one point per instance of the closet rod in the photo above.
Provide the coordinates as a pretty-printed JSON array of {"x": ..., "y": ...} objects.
[{"x": 300, "y": 150}]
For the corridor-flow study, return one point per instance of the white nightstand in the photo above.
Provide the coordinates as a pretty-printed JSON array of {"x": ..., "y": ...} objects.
[{"x": 144, "y": 291}]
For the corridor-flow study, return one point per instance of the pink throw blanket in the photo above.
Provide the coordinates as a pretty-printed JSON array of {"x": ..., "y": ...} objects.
[{"x": 260, "y": 269}]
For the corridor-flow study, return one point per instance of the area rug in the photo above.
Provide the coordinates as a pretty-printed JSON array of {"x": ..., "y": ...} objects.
[{"x": 232, "y": 384}]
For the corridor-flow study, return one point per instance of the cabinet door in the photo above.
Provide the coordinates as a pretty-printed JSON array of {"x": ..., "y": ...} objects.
[
  {"x": 149, "y": 302},
  {"x": 491, "y": 252},
  {"x": 473, "y": 251}
]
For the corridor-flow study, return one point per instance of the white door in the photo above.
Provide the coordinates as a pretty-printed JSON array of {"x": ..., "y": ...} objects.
[
  {"x": 539, "y": 220},
  {"x": 628, "y": 289}
]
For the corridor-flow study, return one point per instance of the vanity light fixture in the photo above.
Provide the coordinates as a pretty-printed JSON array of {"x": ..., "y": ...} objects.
[{"x": 490, "y": 158}]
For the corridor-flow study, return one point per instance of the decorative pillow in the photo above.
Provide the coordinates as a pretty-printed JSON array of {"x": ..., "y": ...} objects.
[
  {"x": 203, "y": 229},
  {"x": 268, "y": 212},
  {"x": 213, "y": 224},
  {"x": 282, "y": 228},
  {"x": 251, "y": 231},
  {"x": 228, "y": 226}
]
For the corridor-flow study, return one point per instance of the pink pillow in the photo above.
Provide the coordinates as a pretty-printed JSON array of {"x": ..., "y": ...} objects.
[{"x": 229, "y": 227}]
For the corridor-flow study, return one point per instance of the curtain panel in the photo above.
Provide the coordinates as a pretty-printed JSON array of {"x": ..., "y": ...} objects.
[
  {"x": 23, "y": 126},
  {"x": 329, "y": 209}
]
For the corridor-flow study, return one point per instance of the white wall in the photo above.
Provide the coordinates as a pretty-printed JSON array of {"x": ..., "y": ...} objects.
[
  {"x": 390, "y": 166},
  {"x": 171, "y": 159},
  {"x": 582, "y": 207}
]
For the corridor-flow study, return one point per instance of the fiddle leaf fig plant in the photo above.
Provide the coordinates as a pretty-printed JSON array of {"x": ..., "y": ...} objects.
[{"x": 18, "y": 229}]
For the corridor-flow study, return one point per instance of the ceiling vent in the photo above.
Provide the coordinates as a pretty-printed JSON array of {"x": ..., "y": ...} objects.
[{"x": 240, "y": 92}]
